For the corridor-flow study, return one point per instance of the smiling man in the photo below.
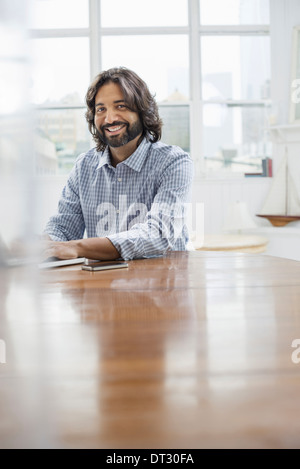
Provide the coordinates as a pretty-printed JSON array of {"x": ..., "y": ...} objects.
[{"x": 128, "y": 194}]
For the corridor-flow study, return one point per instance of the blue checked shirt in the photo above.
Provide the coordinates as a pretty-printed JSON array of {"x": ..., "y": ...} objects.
[{"x": 139, "y": 205}]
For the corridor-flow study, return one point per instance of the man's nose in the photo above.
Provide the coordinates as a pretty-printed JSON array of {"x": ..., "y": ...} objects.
[{"x": 110, "y": 116}]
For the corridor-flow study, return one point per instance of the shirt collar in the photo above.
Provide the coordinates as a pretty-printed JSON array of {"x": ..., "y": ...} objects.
[
  {"x": 134, "y": 161},
  {"x": 104, "y": 158}
]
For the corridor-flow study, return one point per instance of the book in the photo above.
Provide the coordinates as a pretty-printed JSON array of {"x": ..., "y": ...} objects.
[{"x": 267, "y": 167}]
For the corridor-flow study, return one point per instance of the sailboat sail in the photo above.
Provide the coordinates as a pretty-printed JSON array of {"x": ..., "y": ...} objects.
[{"x": 282, "y": 204}]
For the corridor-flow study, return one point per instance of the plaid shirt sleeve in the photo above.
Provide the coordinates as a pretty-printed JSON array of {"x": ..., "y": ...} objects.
[{"x": 68, "y": 223}]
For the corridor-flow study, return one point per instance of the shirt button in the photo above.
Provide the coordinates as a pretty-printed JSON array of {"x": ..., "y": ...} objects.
[
  {"x": 117, "y": 211},
  {"x": 120, "y": 179}
]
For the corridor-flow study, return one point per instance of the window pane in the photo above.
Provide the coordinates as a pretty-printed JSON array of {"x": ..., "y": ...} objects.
[
  {"x": 176, "y": 125},
  {"x": 234, "y": 137},
  {"x": 132, "y": 13},
  {"x": 234, "y": 12},
  {"x": 235, "y": 67},
  {"x": 60, "y": 136},
  {"x": 167, "y": 71},
  {"x": 61, "y": 72},
  {"x": 59, "y": 14}
]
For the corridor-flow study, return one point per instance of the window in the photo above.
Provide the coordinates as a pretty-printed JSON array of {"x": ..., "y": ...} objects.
[
  {"x": 161, "y": 13},
  {"x": 208, "y": 66}
]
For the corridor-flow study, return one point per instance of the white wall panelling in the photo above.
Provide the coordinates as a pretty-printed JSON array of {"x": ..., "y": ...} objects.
[{"x": 218, "y": 195}]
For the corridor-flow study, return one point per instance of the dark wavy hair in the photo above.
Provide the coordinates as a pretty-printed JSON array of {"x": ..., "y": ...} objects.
[{"x": 136, "y": 95}]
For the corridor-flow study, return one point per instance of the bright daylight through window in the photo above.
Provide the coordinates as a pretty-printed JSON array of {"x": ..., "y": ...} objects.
[{"x": 206, "y": 61}]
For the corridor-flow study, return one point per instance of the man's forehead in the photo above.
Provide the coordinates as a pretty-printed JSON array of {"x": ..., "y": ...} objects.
[{"x": 110, "y": 90}]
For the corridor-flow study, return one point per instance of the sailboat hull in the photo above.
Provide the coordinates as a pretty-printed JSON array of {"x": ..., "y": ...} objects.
[{"x": 280, "y": 220}]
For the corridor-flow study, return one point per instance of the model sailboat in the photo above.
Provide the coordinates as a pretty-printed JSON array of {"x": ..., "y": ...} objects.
[{"x": 282, "y": 205}]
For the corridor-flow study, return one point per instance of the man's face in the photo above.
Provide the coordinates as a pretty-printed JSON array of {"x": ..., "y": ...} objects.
[{"x": 116, "y": 124}]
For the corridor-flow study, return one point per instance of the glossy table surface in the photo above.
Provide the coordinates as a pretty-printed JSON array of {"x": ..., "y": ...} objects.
[{"x": 188, "y": 351}]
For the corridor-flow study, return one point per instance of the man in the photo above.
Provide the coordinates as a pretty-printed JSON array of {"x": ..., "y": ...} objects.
[{"x": 128, "y": 193}]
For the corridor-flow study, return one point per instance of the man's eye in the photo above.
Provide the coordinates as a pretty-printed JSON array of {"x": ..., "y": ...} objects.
[{"x": 99, "y": 109}]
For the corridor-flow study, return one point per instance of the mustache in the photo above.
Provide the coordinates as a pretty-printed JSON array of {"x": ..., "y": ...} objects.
[{"x": 107, "y": 126}]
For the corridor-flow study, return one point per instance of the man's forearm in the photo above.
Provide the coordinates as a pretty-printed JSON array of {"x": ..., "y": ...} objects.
[{"x": 97, "y": 248}]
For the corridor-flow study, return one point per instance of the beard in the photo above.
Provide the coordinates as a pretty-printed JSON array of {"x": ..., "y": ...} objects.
[{"x": 127, "y": 135}]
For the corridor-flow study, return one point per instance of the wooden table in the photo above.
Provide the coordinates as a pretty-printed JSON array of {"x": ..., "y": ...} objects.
[{"x": 188, "y": 351}]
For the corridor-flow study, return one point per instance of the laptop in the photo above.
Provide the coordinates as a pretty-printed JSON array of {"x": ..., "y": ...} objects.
[{"x": 53, "y": 262}]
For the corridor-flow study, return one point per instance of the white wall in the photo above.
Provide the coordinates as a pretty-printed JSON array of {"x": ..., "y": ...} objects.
[{"x": 219, "y": 195}]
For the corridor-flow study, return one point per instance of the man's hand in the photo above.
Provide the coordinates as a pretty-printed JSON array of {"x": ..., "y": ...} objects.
[
  {"x": 91, "y": 248},
  {"x": 60, "y": 249}
]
